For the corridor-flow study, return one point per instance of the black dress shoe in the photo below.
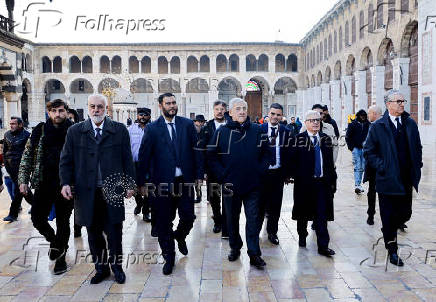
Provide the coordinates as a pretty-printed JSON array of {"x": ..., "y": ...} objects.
[
  {"x": 370, "y": 220},
  {"x": 395, "y": 259},
  {"x": 146, "y": 217},
  {"x": 137, "y": 210},
  {"x": 257, "y": 261},
  {"x": 182, "y": 246},
  {"x": 273, "y": 239},
  {"x": 60, "y": 266},
  {"x": 154, "y": 232},
  {"x": 168, "y": 266},
  {"x": 197, "y": 200},
  {"x": 120, "y": 276},
  {"x": 100, "y": 276},
  {"x": 77, "y": 231},
  {"x": 326, "y": 252},
  {"x": 234, "y": 255},
  {"x": 312, "y": 226},
  {"x": 217, "y": 228},
  {"x": 402, "y": 227},
  {"x": 224, "y": 235},
  {"x": 10, "y": 218},
  {"x": 302, "y": 241}
]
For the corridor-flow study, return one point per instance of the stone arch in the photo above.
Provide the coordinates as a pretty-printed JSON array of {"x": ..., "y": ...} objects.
[
  {"x": 105, "y": 65},
  {"x": 54, "y": 88},
  {"x": 162, "y": 65},
  {"x": 116, "y": 64},
  {"x": 307, "y": 82},
  {"x": 46, "y": 65},
  {"x": 284, "y": 85},
  {"x": 292, "y": 63},
  {"x": 221, "y": 63},
  {"x": 175, "y": 65},
  {"x": 385, "y": 51},
  {"x": 81, "y": 86},
  {"x": 228, "y": 88},
  {"x": 234, "y": 63},
  {"x": 29, "y": 65},
  {"x": 141, "y": 85},
  {"x": 262, "y": 63},
  {"x": 319, "y": 78},
  {"x": 351, "y": 65},
  {"x": 146, "y": 64},
  {"x": 108, "y": 84},
  {"x": 86, "y": 64},
  {"x": 197, "y": 85},
  {"x": 204, "y": 64},
  {"x": 280, "y": 63},
  {"x": 406, "y": 38},
  {"x": 338, "y": 70},
  {"x": 327, "y": 74},
  {"x": 75, "y": 65},
  {"x": 192, "y": 64},
  {"x": 169, "y": 85},
  {"x": 313, "y": 81},
  {"x": 57, "y": 64},
  {"x": 250, "y": 63},
  {"x": 133, "y": 64},
  {"x": 366, "y": 59}
]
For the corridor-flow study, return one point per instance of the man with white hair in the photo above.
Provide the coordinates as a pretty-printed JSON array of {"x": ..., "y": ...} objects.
[
  {"x": 238, "y": 157},
  {"x": 97, "y": 150},
  {"x": 313, "y": 170},
  {"x": 374, "y": 113},
  {"x": 393, "y": 149}
]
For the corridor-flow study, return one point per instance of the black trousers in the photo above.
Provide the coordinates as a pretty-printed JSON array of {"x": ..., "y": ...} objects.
[
  {"x": 395, "y": 210},
  {"x": 371, "y": 196},
  {"x": 271, "y": 200},
  {"x": 18, "y": 197},
  {"x": 214, "y": 194},
  {"x": 320, "y": 218},
  {"x": 141, "y": 201},
  {"x": 43, "y": 201},
  {"x": 176, "y": 198},
  {"x": 233, "y": 204},
  {"x": 96, "y": 240}
]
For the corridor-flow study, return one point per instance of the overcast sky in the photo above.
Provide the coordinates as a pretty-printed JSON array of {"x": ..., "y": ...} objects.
[{"x": 167, "y": 21}]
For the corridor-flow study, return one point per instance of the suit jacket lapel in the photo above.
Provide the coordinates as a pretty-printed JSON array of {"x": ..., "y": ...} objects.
[
  {"x": 108, "y": 129},
  {"x": 164, "y": 129}
]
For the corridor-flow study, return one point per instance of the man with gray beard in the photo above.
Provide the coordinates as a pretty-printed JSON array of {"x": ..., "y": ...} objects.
[{"x": 97, "y": 150}]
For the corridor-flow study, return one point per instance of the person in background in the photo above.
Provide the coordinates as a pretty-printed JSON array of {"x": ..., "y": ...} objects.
[
  {"x": 293, "y": 127},
  {"x": 356, "y": 134},
  {"x": 199, "y": 122},
  {"x": 326, "y": 118},
  {"x": 374, "y": 114}
]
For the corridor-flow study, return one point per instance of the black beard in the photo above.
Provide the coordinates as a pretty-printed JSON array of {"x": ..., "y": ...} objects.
[{"x": 167, "y": 114}]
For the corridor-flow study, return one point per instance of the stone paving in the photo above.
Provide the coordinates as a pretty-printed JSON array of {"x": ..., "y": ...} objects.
[{"x": 356, "y": 273}]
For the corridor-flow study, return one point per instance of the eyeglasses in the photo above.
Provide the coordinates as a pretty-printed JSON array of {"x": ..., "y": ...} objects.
[
  {"x": 399, "y": 102},
  {"x": 314, "y": 121},
  {"x": 99, "y": 107},
  {"x": 143, "y": 114}
]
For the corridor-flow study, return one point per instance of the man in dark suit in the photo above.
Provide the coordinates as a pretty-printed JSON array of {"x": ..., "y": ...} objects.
[
  {"x": 238, "y": 156},
  {"x": 169, "y": 154},
  {"x": 213, "y": 190},
  {"x": 393, "y": 148},
  {"x": 313, "y": 170},
  {"x": 273, "y": 182},
  {"x": 96, "y": 150}
]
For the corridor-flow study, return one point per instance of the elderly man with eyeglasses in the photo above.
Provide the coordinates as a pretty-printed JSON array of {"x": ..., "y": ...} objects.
[
  {"x": 312, "y": 167},
  {"x": 393, "y": 148}
]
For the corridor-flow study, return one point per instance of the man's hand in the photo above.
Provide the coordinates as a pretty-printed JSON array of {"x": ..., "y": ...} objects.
[
  {"x": 24, "y": 189},
  {"x": 66, "y": 192},
  {"x": 130, "y": 193},
  {"x": 1, "y": 187}
]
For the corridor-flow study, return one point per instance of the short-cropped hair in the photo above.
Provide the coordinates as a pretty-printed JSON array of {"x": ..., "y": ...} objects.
[{"x": 55, "y": 104}]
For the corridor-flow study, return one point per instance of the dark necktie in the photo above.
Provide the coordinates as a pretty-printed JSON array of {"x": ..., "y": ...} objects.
[
  {"x": 317, "y": 157},
  {"x": 273, "y": 146},
  {"x": 174, "y": 142},
  {"x": 397, "y": 119},
  {"x": 98, "y": 135}
]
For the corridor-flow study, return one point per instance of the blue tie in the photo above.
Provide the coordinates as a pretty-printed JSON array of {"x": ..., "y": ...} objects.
[{"x": 317, "y": 157}]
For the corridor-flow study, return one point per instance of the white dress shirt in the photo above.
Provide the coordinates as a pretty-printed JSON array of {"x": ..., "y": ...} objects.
[
  {"x": 311, "y": 135},
  {"x": 94, "y": 126},
  {"x": 394, "y": 121},
  {"x": 178, "y": 170},
  {"x": 218, "y": 124},
  {"x": 277, "y": 165}
]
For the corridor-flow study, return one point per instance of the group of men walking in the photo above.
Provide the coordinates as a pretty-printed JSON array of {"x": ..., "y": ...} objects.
[{"x": 243, "y": 163}]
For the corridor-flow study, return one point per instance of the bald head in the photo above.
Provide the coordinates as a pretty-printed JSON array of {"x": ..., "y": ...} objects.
[{"x": 374, "y": 113}]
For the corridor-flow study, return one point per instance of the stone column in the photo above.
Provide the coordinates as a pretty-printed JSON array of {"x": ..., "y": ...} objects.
[
  {"x": 10, "y": 107},
  {"x": 378, "y": 85},
  {"x": 347, "y": 97},
  {"x": 336, "y": 109},
  {"x": 325, "y": 94},
  {"x": 316, "y": 95},
  {"x": 242, "y": 64},
  {"x": 300, "y": 108},
  {"x": 212, "y": 97},
  {"x": 271, "y": 63},
  {"x": 361, "y": 96},
  {"x": 401, "y": 78},
  {"x": 212, "y": 61},
  {"x": 183, "y": 65}
]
